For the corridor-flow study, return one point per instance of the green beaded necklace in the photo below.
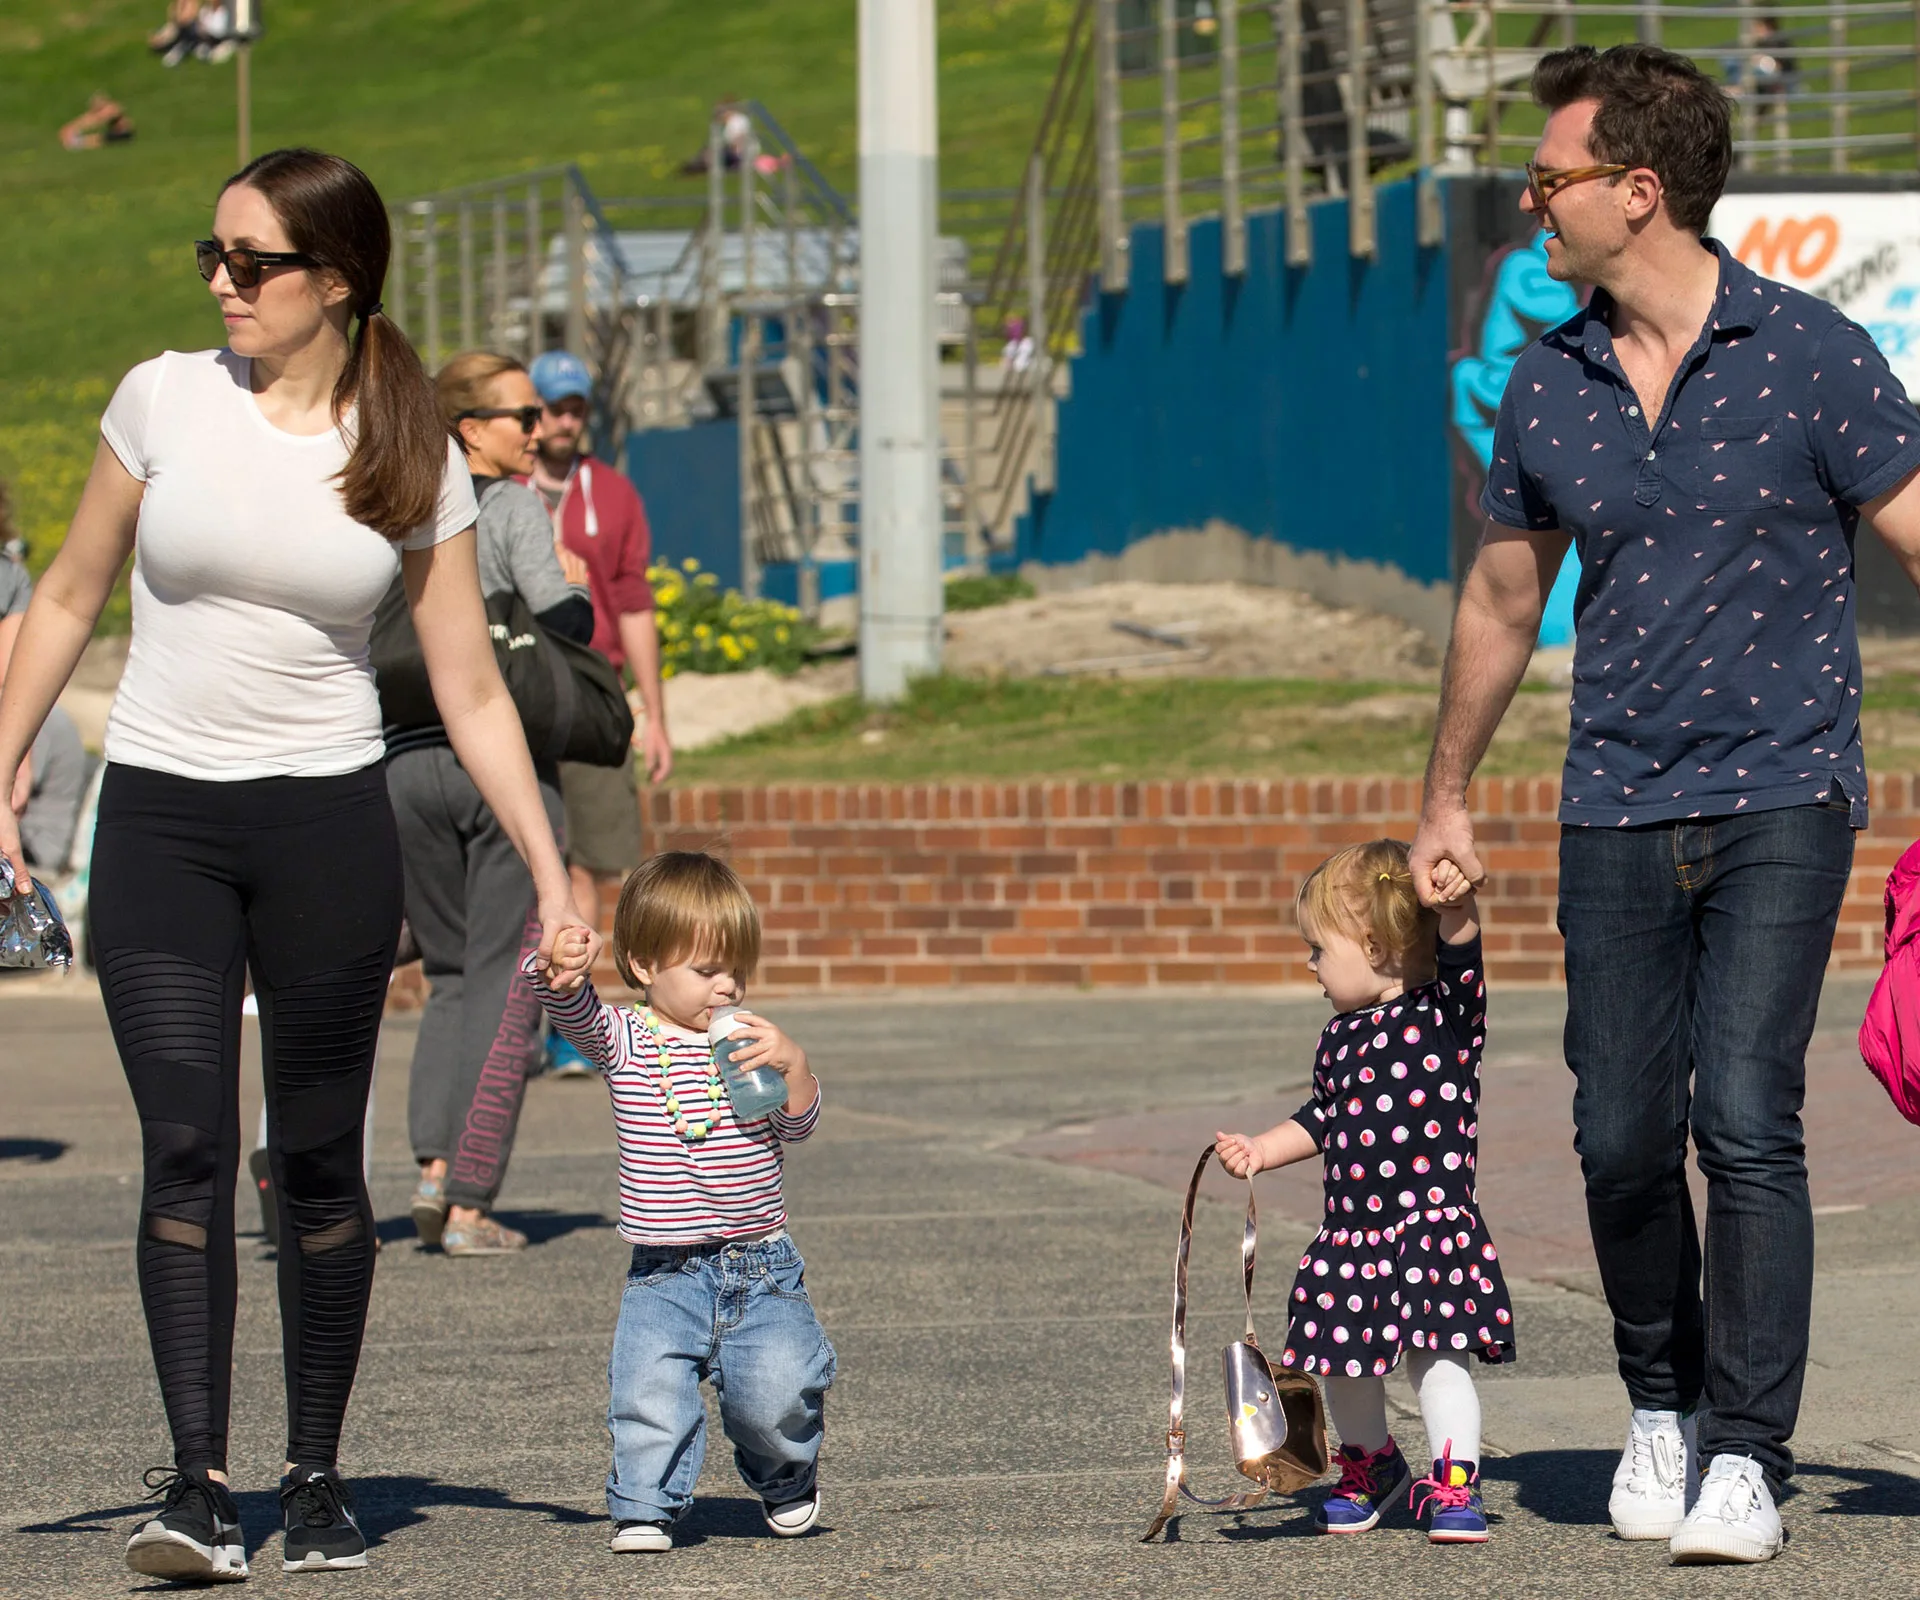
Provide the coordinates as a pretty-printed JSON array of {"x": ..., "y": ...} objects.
[{"x": 692, "y": 1132}]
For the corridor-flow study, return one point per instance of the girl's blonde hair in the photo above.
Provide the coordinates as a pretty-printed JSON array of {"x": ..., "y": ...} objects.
[
  {"x": 1367, "y": 889},
  {"x": 684, "y": 905}
]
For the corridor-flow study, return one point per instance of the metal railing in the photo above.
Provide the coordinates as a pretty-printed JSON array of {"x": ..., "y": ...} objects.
[
  {"x": 1219, "y": 105},
  {"x": 1166, "y": 111},
  {"x": 1160, "y": 111},
  {"x": 519, "y": 265}
]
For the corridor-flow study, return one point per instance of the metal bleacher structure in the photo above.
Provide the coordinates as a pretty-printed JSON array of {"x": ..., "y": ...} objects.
[{"x": 1161, "y": 112}]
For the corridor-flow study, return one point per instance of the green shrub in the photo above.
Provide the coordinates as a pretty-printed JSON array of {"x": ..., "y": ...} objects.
[{"x": 975, "y": 591}]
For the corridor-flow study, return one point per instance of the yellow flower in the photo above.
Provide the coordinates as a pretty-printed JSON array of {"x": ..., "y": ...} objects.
[
  {"x": 667, "y": 671},
  {"x": 781, "y": 635},
  {"x": 730, "y": 647},
  {"x": 690, "y": 564},
  {"x": 707, "y": 580}
]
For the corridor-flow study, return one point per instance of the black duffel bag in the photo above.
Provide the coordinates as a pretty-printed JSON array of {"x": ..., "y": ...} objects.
[{"x": 569, "y": 696}]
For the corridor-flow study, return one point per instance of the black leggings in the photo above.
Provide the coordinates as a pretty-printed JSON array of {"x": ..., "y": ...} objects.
[{"x": 193, "y": 883}]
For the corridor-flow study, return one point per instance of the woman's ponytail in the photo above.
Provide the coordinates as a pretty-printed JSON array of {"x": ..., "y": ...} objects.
[
  {"x": 398, "y": 444},
  {"x": 399, "y": 457}
]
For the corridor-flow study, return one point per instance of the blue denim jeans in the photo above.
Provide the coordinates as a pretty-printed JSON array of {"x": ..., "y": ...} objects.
[
  {"x": 738, "y": 1316},
  {"x": 1695, "y": 954}
]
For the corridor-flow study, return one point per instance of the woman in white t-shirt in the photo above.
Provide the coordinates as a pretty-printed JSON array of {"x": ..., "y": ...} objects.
[{"x": 268, "y": 493}]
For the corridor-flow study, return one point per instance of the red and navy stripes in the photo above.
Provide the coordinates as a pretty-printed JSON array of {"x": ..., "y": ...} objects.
[{"x": 673, "y": 1191}]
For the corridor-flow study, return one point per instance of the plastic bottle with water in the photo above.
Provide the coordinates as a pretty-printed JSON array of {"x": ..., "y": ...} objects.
[{"x": 754, "y": 1092}]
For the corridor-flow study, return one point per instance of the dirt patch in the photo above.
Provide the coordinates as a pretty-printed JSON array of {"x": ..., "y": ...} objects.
[
  {"x": 704, "y": 708},
  {"x": 1234, "y": 630}
]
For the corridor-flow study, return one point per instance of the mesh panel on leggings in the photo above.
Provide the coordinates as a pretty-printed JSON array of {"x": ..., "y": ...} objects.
[
  {"x": 171, "y": 1230},
  {"x": 325, "y": 1028},
  {"x": 170, "y": 1015}
]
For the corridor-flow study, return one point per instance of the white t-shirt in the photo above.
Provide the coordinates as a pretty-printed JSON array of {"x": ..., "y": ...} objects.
[{"x": 253, "y": 590}]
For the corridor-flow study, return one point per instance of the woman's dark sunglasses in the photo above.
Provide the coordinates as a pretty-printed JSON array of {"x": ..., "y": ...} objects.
[
  {"x": 527, "y": 416},
  {"x": 243, "y": 265}
]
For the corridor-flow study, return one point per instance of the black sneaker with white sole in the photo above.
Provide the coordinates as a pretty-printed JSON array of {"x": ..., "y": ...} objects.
[
  {"x": 321, "y": 1532},
  {"x": 195, "y": 1537},
  {"x": 631, "y": 1536},
  {"x": 791, "y": 1518}
]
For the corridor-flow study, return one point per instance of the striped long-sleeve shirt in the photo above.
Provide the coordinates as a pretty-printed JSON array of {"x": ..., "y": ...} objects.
[{"x": 672, "y": 1191}]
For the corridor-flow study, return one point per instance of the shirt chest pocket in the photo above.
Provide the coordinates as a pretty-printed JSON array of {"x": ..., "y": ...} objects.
[{"x": 1736, "y": 465}]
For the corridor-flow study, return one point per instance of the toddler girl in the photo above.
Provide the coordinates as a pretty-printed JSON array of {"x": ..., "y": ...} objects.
[
  {"x": 1402, "y": 1264},
  {"x": 716, "y": 1289}
]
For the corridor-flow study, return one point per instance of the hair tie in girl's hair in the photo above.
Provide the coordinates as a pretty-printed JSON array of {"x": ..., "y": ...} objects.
[
  {"x": 372, "y": 311},
  {"x": 1386, "y": 877}
]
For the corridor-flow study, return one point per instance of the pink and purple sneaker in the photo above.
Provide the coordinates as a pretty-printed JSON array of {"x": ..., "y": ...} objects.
[
  {"x": 1450, "y": 1506},
  {"x": 1368, "y": 1481}
]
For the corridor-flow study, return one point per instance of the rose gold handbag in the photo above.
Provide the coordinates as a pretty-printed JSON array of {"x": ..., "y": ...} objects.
[{"x": 1277, "y": 1420}]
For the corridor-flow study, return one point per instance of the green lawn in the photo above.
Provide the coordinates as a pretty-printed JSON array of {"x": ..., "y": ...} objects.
[
  {"x": 95, "y": 267},
  {"x": 969, "y": 728},
  {"x": 953, "y": 727}
]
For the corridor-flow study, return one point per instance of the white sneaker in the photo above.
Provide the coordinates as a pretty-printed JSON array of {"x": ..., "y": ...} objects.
[
  {"x": 629, "y": 1537},
  {"x": 794, "y": 1518},
  {"x": 1734, "y": 1520},
  {"x": 1649, "y": 1499}
]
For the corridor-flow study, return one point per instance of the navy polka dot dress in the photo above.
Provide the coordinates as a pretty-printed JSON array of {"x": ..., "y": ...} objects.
[{"x": 1402, "y": 1259}]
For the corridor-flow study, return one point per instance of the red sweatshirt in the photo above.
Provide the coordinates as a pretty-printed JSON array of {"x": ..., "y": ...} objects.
[{"x": 602, "y": 521}]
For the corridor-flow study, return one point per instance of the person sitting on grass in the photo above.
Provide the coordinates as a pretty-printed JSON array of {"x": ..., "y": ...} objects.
[
  {"x": 716, "y": 1289},
  {"x": 102, "y": 123}
]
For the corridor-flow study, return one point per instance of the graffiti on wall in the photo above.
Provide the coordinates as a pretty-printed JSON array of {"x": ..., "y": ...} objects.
[{"x": 1519, "y": 303}]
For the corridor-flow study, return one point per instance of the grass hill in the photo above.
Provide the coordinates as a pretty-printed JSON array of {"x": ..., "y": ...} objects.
[{"x": 96, "y": 266}]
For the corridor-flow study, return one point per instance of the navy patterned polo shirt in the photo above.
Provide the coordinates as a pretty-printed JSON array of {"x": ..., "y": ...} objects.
[{"x": 1715, "y": 665}]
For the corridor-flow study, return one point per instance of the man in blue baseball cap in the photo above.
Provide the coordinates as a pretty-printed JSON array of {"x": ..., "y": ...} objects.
[
  {"x": 561, "y": 375},
  {"x": 598, "y": 516}
]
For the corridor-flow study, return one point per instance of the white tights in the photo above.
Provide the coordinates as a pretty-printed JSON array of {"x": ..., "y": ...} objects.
[{"x": 1449, "y": 1405}]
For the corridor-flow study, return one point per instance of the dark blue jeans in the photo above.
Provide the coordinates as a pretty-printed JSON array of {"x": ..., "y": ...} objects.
[{"x": 1695, "y": 953}]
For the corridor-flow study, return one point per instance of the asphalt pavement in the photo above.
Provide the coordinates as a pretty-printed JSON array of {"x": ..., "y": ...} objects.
[{"x": 988, "y": 1214}]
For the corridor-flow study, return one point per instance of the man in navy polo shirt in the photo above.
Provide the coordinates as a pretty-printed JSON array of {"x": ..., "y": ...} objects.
[{"x": 1710, "y": 440}]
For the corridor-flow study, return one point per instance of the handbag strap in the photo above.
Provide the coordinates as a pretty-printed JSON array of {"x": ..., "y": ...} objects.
[{"x": 1176, "y": 1484}]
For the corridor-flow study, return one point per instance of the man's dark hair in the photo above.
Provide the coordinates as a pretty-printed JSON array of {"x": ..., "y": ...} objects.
[{"x": 1657, "y": 110}]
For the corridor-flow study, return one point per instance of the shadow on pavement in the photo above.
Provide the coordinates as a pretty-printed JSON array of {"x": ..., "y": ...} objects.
[
  {"x": 1566, "y": 1487},
  {"x": 728, "y": 1517},
  {"x": 32, "y": 1149},
  {"x": 540, "y": 1227},
  {"x": 1862, "y": 1491},
  {"x": 384, "y": 1505},
  {"x": 1278, "y": 1519}
]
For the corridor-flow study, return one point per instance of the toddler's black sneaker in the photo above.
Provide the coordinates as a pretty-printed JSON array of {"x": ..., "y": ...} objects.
[
  {"x": 321, "y": 1532},
  {"x": 631, "y": 1536},
  {"x": 195, "y": 1537},
  {"x": 791, "y": 1518}
]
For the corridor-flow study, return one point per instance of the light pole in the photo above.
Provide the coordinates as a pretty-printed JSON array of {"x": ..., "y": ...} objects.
[
  {"x": 246, "y": 28},
  {"x": 900, "y": 518}
]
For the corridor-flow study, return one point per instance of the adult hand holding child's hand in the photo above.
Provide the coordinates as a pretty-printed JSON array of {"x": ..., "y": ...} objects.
[
  {"x": 571, "y": 961},
  {"x": 1450, "y": 884},
  {"x": 1445, "y": 835}
]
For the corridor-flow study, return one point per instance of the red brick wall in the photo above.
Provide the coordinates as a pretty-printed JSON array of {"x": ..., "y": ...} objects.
[{"x": 1134, "y": 884}]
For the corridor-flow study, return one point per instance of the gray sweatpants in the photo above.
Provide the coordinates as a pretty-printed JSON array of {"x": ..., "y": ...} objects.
[
  {"x": 470, "y": 903},
  {"x": 60, "y": 773}
]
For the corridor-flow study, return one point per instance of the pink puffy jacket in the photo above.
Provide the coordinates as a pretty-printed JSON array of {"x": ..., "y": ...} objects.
[{"x": 1890, "y": 1035}]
